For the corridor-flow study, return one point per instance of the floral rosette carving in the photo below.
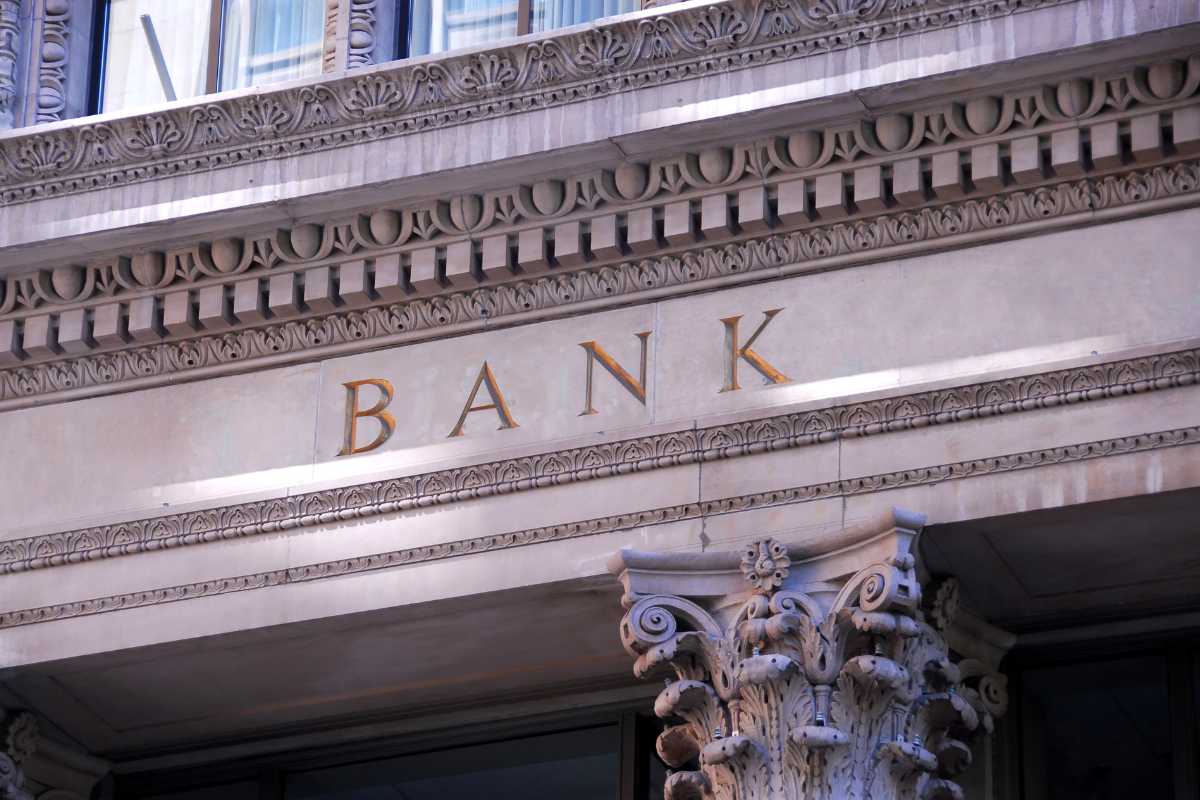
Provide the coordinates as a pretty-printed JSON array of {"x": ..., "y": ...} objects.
[
  {"x": 798, "y": 696},
  {"x": 765, "y": 564}
]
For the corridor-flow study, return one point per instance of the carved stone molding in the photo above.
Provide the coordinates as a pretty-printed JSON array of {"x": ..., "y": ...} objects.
[
  {"x": 351, "y": 34},
  {"x": 795, "y": 674},
  {"x": 619, "y": 522},
  {"x": 329, "y": 38},
  {"x": 53, "y": 51},
  {"x": 10, "y": 42},
  {"x": 938, "y": 407},
  {"x": 419, "y": 318},
  {"x": 362, "y": 34},
  {"x": 679, "y": 44},
  {"x": 18, "y": 741}
]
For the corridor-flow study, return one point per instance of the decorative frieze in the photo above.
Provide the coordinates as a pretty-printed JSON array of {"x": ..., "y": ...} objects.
[
  {"x": 817, "y": 675},
  {"x": 601, "y": 525},
  {"x": 679, "y": 44},
  {"x": 641, "y": 454},
  {"x": 291, "y": 332}
]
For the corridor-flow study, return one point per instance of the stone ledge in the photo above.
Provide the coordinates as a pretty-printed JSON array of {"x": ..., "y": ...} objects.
[{"x": 553, "y": 533}]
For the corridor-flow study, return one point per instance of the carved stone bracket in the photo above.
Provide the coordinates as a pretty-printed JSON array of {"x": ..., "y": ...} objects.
[
  {"x": 817, "y": 675},
  {"x": 18, "y": 741}
]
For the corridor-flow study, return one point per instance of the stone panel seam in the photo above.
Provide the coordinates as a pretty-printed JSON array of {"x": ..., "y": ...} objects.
[
  {"x": 641, "y": 454},
  {"x": 841, "y": 488},
  {"x": 769, "y": 257}
]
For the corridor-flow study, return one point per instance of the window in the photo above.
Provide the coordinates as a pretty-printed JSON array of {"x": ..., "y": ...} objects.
[
  {"x": 1107, "y": 725},
  {"x": 155, "y": 51},
  {"x": 588, "y": 755},
  {"x": 579, "y": 764},
  {"x": 439, "y": 25}
]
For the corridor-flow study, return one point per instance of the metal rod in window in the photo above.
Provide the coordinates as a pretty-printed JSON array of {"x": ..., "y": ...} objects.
[
  {"x": 524, "y": 17},
  {"x": 214, "y": 46},
  {"x": 160, "y": 64}
]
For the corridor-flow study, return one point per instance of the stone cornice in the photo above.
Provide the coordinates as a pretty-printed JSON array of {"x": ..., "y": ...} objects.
[
  {"x": 639, "y": 51},
  {"x": 1119, "y": 109},
  {"x": 798, "y": 429},
  {"x": 573, "y": 530},
  {"x": 956, "y": 221}
]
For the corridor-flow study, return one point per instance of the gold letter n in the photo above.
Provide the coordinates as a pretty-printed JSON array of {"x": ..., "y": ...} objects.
[
  {"x": 597, "y": 353},
  {"x": 735, "y": 352}
]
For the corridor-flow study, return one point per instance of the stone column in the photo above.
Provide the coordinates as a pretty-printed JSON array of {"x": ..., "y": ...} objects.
[{"x": 798, "y": 674}]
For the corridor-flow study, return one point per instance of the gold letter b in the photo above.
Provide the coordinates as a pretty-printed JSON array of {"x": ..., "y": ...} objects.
[{"x": 387, "y": 423}]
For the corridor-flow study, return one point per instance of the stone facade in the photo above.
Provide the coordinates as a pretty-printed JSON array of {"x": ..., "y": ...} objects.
[{"x": 300, "y": 380}]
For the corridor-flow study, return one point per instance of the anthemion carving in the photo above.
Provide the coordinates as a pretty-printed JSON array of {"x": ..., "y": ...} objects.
[
  {"x": 18, "y": 740},
  {"x": 10, "y": 39},
  {"x": 821, "y": 676}
]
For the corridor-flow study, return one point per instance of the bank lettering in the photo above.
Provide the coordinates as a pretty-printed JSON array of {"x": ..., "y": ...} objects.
[
  {"x": 488, "y": 381},
  {"x": 734, "y": 353},
  {"x": 378, "y": 412},
  {"x": 596, "y": 353}
]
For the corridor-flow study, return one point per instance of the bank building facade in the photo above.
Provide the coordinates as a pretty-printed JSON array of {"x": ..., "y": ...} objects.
[{"x": 599, "y": 399}]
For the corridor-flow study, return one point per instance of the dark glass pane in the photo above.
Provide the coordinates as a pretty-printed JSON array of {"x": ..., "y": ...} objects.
[
  {"x": 230, "y": 791},
  {"x": 580, "y": 764},
  {"x": 1097, "y": 731}
]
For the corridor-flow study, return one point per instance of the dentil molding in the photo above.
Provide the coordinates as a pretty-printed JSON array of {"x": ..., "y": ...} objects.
[
  {"x": 964, "y": 221},
  {"x": 937, "y": 407},
  {"x": 605, "y": 59},
  {"x": 941, "y": 473}
]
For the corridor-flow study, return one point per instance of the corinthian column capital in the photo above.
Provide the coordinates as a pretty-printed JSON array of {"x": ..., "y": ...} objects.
[{"x": 799, "y": 674}]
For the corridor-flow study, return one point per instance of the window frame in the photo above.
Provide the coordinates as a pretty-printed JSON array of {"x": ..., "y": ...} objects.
[
  {"x": 636, "y": 728},
  {"x": 1181, "y": 653}
]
